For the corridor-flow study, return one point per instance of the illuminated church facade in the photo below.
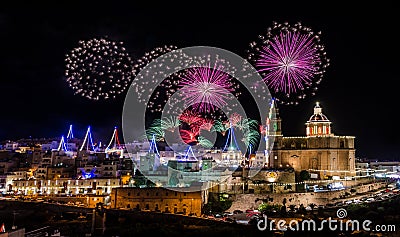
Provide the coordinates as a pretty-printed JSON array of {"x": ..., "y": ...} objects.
[{"x": 322, "y": 153}]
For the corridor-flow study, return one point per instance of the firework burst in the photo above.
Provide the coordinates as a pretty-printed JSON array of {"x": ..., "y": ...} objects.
[
  {"x": 206, "y": 124},
  {"x": 155, "y": 130},
  {"x": 190, "y": 117},
  {"x": 291, "y": 60},
  {"x": 143, "y": 88},
  {"x": 170, "y": 123},
  {"x": 98, "y": 69},
  {"x": 148, "y": 57},
  {"x": 206, "y": 88},
  {"x": 251, "y": 137},
  {"x": 204, "y": 142},
  {"x": 189, "y": 136},
  {"x": 194, "y": 83}
]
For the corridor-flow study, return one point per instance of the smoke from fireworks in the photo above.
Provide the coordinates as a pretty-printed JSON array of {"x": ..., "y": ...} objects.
[
  {"x": 98, "y": 69},
  {"x": 291, "y": 60}
]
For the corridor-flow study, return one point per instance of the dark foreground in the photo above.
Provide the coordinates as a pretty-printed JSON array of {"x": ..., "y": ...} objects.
[{"x": 71, "y": 221}]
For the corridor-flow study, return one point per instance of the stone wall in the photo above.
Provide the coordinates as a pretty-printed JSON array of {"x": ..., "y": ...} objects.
[
  {"x": 157, "y": 199},
  {"x": 251, "y": 201}
]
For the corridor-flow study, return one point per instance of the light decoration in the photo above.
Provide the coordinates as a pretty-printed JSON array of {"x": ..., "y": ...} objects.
[
  {"x": 190, "y": 151},
  {"x": 62, "y": 145},
  {"x": 88, "y": 139},
  {"x": 115, "y": 138},
  {"x": 153, "y": 146},
  {"x": 231, "y": 143},
  {"x": 70, "y": 134},
  {"x": 271, "y": 176},
  {"x": 89, "y": 175}
]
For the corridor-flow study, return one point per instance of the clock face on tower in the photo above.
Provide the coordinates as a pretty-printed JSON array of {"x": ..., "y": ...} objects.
[{"x": 275, "y": 127}]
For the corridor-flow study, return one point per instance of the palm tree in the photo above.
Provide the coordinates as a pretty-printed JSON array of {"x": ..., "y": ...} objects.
[{"x": 312, "y": 205}]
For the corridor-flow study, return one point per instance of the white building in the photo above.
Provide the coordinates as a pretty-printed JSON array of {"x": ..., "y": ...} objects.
[
  {"x": 11, "y": 146},
  {"x": 65, "y": 186}
]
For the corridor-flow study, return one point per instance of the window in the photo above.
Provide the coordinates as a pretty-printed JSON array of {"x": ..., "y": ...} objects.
[
  {"x": 129, "y": 194},
  {"x": 138, "y": 194},
  {"x": 147, "y": 207}
]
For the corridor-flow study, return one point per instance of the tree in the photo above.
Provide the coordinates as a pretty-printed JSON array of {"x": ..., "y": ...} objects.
[
  {"x": 284, "y": 201},
  {"x": 292, "y": 207},
  {"x": 304, "y": 175},
  {"x": 302, "y": 209},
  {"x": 312, "y": 205},
  {"x": 140, "y": 180},
  {"x": 269, "y": 208},
  {"x": 217, "y": 203}
]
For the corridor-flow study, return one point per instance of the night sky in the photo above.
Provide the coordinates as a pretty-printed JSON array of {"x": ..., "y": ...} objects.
[{"x": 358, "y": 94}]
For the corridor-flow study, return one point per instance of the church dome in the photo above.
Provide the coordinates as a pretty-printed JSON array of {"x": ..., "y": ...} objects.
[
  {"x": 318, "y": 116},
  {"x": 318, "y": 124}
]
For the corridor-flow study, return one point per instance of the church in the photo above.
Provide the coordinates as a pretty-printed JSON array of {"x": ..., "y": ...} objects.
[{"x": 321, "y": 152}]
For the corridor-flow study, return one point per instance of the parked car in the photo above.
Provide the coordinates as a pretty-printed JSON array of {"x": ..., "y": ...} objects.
[
  {"x": 357, "y": 201},
  {"x": 348, "y": 202},
  {"x": 237, "y": 212},
  {"x": 370, "y": 200},
  {"x": 329, "y": 205}
]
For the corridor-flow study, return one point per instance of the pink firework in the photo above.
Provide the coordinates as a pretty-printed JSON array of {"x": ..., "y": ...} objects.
[
  {"x": 291, "y": 61},
  {"x": 235, "y": 118},
  {"x": 206, "y": 124},
  {"x": 206, "y": 89}
]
